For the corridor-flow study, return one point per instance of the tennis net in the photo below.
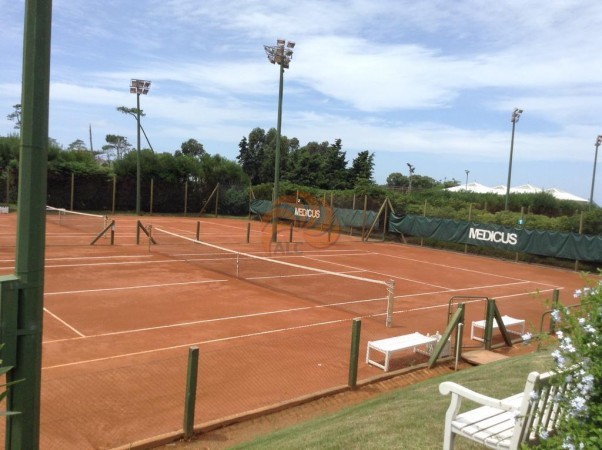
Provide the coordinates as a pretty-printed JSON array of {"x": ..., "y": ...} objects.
[
  {"x": 72, "y": 225},
  {"x": 341, "y": 289}
]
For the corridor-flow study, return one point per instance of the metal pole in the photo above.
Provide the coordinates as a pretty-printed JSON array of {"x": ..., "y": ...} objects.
[
  {"x": 138, "y": 176},
  {"x": 515, "y": 116},
  {"x": 510, "y": 168},
  {"x": 23, "y": 430},
  {"x": 591, "y": 195},
  {"x": 277, "y": 160}
]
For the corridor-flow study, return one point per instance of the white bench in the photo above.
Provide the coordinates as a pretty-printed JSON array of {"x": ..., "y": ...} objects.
[
  {"x": 508, "y": 322},
  {"x": 416, "y": 341},
  {"x": 505, "y": 423}
]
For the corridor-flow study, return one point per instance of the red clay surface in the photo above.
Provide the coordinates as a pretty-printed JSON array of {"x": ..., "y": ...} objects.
[{"x": 119, "y": 320}]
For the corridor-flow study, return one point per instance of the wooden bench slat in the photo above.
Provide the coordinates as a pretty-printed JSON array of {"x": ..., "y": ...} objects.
[{"x": 505, "y": 423}]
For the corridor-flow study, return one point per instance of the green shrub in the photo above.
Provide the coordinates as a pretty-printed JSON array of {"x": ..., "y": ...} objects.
[{"x": 579, "y": 356}]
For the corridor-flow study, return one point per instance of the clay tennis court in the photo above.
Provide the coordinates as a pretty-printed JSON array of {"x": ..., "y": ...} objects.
[{"x": 119, "y": 320}]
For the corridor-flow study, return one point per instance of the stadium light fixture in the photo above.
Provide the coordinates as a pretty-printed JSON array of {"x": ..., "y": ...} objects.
[
  {"x": 281, "y": 54},
  {"x": 515, "y": 116},
  {"x": 138, "y": 87},
  {"x": 467, "y": 172},
  {"x": 591, "y": 195}
]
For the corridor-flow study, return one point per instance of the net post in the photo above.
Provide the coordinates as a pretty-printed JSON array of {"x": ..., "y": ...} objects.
[
  {"x": 113, "y": 232},
  {"x": 356, "y": 329},
  {"x": 248, "y": 231},
  {"x": 138, "y": 225},
  {"x": 191, "y": 387},
  {"x": 149, "y": 233},
  {"x": 390, "y": 299},
  {"x": 198, "y": 230}
]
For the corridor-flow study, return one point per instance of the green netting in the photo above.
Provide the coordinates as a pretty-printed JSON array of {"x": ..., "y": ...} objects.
[{"x": 575, "y": 246}]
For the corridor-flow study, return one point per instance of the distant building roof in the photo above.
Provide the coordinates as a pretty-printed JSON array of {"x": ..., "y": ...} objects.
[{"x": 523, "y": 189}]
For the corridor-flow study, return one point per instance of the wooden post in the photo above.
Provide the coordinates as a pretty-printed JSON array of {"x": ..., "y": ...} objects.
[
  {"x": 114, "y": 193},
  {"x": 248, "y": 231},
  {"x": 191, "y": 387},
  {"x": 7, "y": 186},
  {"x": 198, "y": 230},
  {"x": 356, "y": 329},
  {"x": 72, "y": 189},
  {"x": 152, "y": 192},
  {"x": 423, "y": 215},
  {"x": 364, "y": 216},
  {"x": 353, "y": 208},
  {"x": 216, "y": 199},
  {"x": 185, "y": 197},
  {"x": 385, "y": 221}
]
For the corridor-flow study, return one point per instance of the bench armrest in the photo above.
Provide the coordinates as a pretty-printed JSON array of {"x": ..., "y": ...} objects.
[{"x": 458, "y": 391}]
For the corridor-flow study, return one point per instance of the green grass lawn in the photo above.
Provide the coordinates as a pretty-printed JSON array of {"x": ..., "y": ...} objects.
[{"x": 409, "y": 418}]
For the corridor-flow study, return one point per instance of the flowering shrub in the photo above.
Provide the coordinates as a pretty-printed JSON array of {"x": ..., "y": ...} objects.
[{"x": 579, "y": 356}]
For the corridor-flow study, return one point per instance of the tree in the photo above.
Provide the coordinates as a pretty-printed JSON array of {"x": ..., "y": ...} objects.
[
  {"x": 334, "y": 167},
  {"x": 117, "y": 146},
  {"x": 77, "y": 146},
  {"x": 191, "y": 147},
  {"x": 251, "y": 154},
  {"x": 363, "y": 166},
  {"x": 15, "y": 116},
  {"x": 397, "y": 179},
  {"x": 134, "y": 113}
]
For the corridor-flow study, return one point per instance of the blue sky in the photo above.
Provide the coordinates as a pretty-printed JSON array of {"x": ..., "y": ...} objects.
[{"x": 432, "y": 83}]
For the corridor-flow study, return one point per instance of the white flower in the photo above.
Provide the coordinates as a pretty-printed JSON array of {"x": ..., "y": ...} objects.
[
  {"x": 577, "y": 293},
  {"x": 555, "y": 315},
  {"x": 543, "y": 434},
  {"x": 527, "y": 337},
  {"x": 559, "y": 334}
]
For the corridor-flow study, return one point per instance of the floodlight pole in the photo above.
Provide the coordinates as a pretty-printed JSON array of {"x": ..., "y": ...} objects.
[
  {"x": 515, "y": 116},
  {"x": 591, "y": 195},
  {"x": 411, "y": 169},
  {"x": 138, "y": 87},
  {"x": 282, "y": 56}
]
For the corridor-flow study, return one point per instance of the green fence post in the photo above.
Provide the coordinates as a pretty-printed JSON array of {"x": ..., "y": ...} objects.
[
  {"x": 488, "y": 323},
  {"x": 190, "y": 398},
  {"x": 356, "y": 329}
]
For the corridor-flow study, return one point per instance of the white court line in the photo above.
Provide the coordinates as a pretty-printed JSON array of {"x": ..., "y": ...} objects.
[
  {"x": 219, "y": 319},
  {"x": 99, "y": 257},
  {"x": 143, "y": 286},
  {"x": 382, "y": 274},
  {"x": 243, "y": 336},
  {"x": 210, "y": 341},
  {"x": 454, "y": 267},
  {"x": 57, "y": 266},
  {"x": 281, "y": 311},
  {"x": 65, "y": 323}
]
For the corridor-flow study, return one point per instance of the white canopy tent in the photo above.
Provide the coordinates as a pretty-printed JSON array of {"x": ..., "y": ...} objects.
[{"x": 523, "y": 189}]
